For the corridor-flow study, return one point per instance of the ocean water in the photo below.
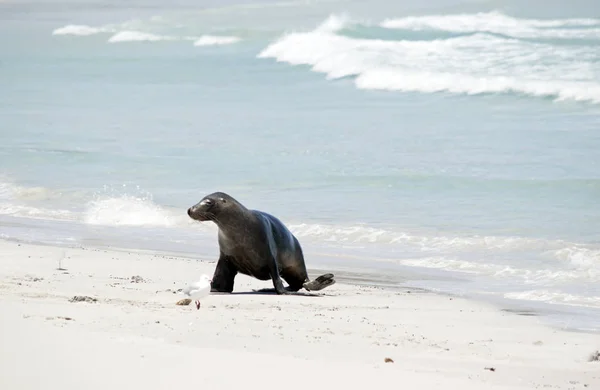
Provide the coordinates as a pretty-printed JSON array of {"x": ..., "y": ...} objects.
[{"x": 453, "y": 141}]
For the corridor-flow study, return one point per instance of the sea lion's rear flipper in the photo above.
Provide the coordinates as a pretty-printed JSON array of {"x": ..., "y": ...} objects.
[
  {"x": 319, "y": 283},
  {"x": 314, "y": 285}
]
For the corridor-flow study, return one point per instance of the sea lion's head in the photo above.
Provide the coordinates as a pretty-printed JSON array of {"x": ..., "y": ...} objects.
[{"x": 213, "y": 207}]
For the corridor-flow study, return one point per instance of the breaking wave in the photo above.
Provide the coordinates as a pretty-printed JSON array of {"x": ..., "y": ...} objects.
[
  {"x": 478, "y": 63},
  {"x": 553, "y": 297},
  {"x": 214, "y": 40},
  {"x": 122, "y": 34},
  {"x": 498, "y": 23},
  {"x": 571, "y": 254},
  {"x": 81, "y": 30},
  {"x": 133, "y": 207},
  {"x": 137, "y": 36},
  {"x": 22, "y": 201},
  {"x": 547, "y": 265},
  {"x": 365, "y": 234},
  {"x": 132, "y": 211},
  {"x": 552, "y": 275}
]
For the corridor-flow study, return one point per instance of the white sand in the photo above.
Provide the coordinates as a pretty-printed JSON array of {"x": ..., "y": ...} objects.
[{"x": 135, "y": 337}]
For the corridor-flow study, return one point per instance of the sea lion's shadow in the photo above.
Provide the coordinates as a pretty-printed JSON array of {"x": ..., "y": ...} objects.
[{"x": 273, "y": 292}]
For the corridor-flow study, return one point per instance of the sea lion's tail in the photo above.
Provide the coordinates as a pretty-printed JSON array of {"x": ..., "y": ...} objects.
[{"x": 319, "y": 283}]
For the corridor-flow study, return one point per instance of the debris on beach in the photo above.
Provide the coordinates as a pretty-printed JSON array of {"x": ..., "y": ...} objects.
[
  {"x": 29, "y": 278},
  {"x": 60, "y": 259},
  {"x": 82, "y": 298},
  {"x": 184, "y": 302},
  {"x": 170, "y": 291},
  {"x": 492, "y": 369},
  {"x": 137, "y": 279},
  {"x": 388, "y": 360},
  {"x": 595, "y": 357},
  {"x": 60, "y": 318}
]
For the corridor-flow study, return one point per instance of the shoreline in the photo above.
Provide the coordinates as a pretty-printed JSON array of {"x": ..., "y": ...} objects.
[
  {"x": 340, "y": 335},
  {"x": 400, "y": 281}
]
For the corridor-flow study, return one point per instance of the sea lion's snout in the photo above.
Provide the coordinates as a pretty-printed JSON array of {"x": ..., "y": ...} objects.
[
  {"x": 193, "y": 212},
  {"x": 200, "y": 211}
]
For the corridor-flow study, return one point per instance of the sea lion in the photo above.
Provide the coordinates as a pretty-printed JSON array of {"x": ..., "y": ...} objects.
[{"x": 256, "y": 244}]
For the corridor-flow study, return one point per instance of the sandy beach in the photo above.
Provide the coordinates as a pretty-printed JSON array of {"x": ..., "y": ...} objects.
[{"x": 135, "y": 336}]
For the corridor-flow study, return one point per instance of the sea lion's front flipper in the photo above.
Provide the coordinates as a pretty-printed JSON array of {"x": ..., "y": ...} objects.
[{"x": 319, "y": 283}]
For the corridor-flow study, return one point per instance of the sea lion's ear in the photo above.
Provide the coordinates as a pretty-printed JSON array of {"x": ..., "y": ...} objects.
[{"x": 223, "y": 200}]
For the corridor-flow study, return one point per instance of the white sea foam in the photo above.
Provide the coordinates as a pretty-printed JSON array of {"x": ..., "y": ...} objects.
[
  {"x": 17, "y": 201},
  {"x": 12, "y": 192},
  {"x": 334, "y": 23},
  {"x": 579, "y": 256},
  {"x": 81, "y": 30},
  {"x": 132, "y": 211},
  {"x": 137, "y": 36},
  {"x": 134, "y": 207},
  {"x": 551, "y": 276},
  {"x": 474, "y": 64},
  {"x": 35, "y": 212},
  {"x": 555, "y": 262},
  {"x": 428, "y": 82},
  {"x": 549, "y": 296},
  {"x": 563, "y": 262},
  {"x": 365, "y": 234},
  {"x": 214, "y": 40},
  {"x": 498, "y": 23}
]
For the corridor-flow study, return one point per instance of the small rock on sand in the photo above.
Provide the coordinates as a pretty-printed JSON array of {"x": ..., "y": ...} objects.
[
  {"x": 83, "y": 298},
  {"x": 184, "y": 302},
  {"x": 388, "y": 360},
  {"x": 137, "y": 279}
]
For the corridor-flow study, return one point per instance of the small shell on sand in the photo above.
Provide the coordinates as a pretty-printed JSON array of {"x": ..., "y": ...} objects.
[
  {"x": 388, "y": 360},
  {"x": 184, "y": 302}
]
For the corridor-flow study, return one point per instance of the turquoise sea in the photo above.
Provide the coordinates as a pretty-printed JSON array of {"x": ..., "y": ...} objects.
[{"x": 450, "y": 145}]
